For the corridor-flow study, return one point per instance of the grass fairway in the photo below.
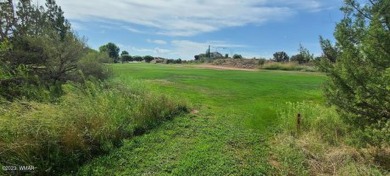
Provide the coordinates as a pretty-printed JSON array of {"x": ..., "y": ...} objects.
[{"x": 228, "y": 132}]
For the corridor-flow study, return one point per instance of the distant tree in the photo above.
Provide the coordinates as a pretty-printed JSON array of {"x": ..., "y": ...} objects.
[
  {"x": 148, "y": 58},
  {"x": 307, "y": 56},
  {"x": 297, "y": 58},
  {"x": 125, "y": 57},
  {"x": 137, "y": 58},
  {"x": 179, "y": 61},
  {"x": 237, "y": 56},
  {"x": 112, "y": 50},
  {"x": 281, "y": 56},
  {"x": 304, "y": 56},
  {"x": 124, "y": 52},
  {"x": 197, "y": 57},
  {"x": 330, "y": 52},
  {"x": 226, "y": 55}
]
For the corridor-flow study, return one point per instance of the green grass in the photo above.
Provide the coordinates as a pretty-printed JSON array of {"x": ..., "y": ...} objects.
[{"x": 234, "y": 113}]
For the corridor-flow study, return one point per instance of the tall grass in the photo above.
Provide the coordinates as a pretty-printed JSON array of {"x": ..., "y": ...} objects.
[
  {"x": 320, "y": 145},
  {"x": 288, "y": 66},
  {"x": 315, "y": 118},
  {"x": 89, "y": 120}
]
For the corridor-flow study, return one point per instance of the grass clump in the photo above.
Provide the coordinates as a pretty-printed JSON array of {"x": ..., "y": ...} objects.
[
  {"x": 321, "y": 145},
  {"x": 89, "y": 120}
]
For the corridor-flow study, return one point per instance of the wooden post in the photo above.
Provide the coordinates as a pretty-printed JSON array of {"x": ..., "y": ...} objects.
[{"x": 299, "y": 120}]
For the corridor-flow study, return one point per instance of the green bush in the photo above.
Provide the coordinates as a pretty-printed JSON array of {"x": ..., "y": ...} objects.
[{"x": 92, "y": 65}]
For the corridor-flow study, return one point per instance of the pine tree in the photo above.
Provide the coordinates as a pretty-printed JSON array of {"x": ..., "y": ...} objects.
[{"x": 358, "y": 66}]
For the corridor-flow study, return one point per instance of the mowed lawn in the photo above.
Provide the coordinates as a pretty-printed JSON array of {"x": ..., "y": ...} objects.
[{"x": 234, "y": 114}]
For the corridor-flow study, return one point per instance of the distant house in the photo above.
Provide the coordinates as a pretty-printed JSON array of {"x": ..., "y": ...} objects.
[
  {"x": 215, "y": 55},
  {"x": 157, "y": 60}
]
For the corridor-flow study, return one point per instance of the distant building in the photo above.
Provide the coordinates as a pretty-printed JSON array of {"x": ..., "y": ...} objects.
[
  {"x": 215, "y": 55},
  {"x": 157, "y": 60}
]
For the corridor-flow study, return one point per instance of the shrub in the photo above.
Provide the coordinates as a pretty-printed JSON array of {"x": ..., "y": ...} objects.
[
  {"x": 237, "y": 56},
  {"x": 91, "y": 65}
]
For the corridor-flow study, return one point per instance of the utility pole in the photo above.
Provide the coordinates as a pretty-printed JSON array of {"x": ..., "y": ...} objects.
[{"x": 209, "y": 52}]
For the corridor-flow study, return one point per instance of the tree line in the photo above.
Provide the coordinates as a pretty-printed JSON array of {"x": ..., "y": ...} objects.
[{"x": 124, "y": 56}]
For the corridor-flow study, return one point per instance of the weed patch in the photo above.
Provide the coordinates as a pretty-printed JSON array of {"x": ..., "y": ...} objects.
[{"x": 320, "y": 146}]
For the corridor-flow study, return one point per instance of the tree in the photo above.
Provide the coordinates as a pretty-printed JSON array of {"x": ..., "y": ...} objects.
[
  {"x": 197, "y": 57},
  {"x": 137, "y": 58},
  {"x": 42, "y": 41},
  {"x": 148, "y": 58},
  {"x": 226, "y": 55},
  {"x": 124, "y": 53},
  {"x": 41, "y": 49},
  {"x": 237, "y": 56},
  {"x": 330, "y": 52},
  {"x": 281, "y": 57},
  {"x": 359, "y": 67},
  {"x": 7, "y": 19},
  {"x": 112, "y": 50},
  {"x": 304, "y": 56},
  {"x": 125, "y": 57}
]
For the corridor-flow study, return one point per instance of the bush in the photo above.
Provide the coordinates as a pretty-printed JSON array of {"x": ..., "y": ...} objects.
[
  {"x": 89, "y": 120},
  {"x": 91, "y": 65},
  {"x": 237, "y": 56}
]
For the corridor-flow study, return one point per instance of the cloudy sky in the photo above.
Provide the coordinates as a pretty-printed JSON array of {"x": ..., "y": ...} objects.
[{"x": 183, "y": 28}]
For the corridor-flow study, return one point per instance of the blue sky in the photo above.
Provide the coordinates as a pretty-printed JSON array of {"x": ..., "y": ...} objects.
[{"x": 183, "y": 28}]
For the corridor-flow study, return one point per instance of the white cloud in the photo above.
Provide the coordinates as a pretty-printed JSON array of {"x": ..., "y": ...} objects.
[
  {"x": 131, "y": 29},
  {"x": 189, "y": 17},
  {"x": 159, "y": 42},
  {"x": 162, "y": 51}
]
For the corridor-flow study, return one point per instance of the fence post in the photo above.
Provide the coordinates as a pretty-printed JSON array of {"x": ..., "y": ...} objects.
[{"x": 299, "y": 120}]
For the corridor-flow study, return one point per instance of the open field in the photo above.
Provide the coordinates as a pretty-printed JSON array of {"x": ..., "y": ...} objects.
[{"x": 226, "y": 133}]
